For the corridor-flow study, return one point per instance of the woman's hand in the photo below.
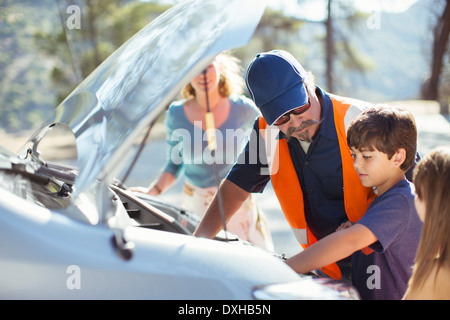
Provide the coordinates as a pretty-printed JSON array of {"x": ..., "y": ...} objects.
[{"x": 152, "y": 191}]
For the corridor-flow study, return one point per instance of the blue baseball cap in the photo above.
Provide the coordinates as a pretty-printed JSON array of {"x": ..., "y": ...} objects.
[{"x": 275, "y": 82}]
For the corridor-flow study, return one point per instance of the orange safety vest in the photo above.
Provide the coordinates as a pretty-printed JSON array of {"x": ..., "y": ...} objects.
[{"x": 287, "y": 186}]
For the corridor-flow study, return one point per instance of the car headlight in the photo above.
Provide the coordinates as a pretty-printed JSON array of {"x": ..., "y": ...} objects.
[{"x": 308, "y": 288}]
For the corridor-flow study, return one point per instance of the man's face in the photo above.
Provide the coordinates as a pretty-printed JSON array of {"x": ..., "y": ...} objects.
[{"x": 305, "y": 125}]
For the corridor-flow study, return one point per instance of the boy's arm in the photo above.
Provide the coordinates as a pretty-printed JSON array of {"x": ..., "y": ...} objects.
[{"x": 332, "y": 248}]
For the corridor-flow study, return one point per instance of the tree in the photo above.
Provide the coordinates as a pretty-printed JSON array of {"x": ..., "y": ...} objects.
[
  {"x": 105, "y": 25},
  {"x": 441, "y": 32},
  {"x": 275, "y": 30},
  {"x": 340, "y": 17},
  {"x": 24, "y": 96},
  {"x": 329, "y": 47}
]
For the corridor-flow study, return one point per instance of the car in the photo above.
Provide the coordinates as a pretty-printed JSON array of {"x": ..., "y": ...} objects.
[{"x": 72, "y": 231}]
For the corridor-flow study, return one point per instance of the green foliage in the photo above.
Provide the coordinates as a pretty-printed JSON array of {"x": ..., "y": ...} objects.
[
  {"x": 24, "y": 93},
  {"x": 41, "y": 61}
]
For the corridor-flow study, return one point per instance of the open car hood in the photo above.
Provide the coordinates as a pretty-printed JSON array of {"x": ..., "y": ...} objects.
[{"x": 112, "y": 107}]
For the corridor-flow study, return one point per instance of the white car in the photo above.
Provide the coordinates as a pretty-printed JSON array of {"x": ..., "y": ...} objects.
[{"x": 69, "y": 231}]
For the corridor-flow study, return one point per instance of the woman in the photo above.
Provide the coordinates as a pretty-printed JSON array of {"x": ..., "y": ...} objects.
[
  {"x": 431, "y": 273},
  {"x": 218, "y": 92}
]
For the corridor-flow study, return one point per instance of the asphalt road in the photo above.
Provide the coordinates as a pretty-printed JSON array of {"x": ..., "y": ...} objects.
[{"x": 433, "y": 129}]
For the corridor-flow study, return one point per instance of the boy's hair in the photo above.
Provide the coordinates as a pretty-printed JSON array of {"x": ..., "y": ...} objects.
[{"x": 386, "y": 129}]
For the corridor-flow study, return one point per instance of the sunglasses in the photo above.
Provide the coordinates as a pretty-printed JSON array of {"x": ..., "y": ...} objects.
[{"x": 285, "y": 117}]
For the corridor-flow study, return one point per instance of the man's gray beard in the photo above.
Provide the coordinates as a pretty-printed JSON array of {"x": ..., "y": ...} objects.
[{"x": 304, "y": 136}]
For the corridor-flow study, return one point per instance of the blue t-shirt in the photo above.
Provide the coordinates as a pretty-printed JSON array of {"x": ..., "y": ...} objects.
[
  {"x": 188, "y": 146},
  {"x": 392, "y": 218}
]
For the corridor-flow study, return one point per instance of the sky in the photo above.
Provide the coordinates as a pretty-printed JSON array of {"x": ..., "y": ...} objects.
[{"x": 317, "y": 8}]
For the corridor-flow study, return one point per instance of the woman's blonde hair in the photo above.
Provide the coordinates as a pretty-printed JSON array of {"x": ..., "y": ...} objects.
[
  {"x": 231, "y": 81},
  {"x": 432, "y": 182}
]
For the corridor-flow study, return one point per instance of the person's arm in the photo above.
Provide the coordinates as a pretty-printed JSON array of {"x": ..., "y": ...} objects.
[
  {"x": 332, "y": 248},
  {"x": 232, "y": 199},
  {"x": 165, "y": 181}
]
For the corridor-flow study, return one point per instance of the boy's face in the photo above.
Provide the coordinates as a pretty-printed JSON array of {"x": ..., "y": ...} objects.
[{"x": 375, "y": 169}]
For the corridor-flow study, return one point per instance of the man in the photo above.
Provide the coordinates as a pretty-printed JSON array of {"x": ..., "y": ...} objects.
[{"x": 302, "y": 135}]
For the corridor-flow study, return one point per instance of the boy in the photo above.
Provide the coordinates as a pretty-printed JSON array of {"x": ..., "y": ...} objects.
[{"x": 383, "y": 144}]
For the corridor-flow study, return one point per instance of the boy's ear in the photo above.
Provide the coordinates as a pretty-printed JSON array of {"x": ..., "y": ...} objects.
[{"x": 399, "y": 157}]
